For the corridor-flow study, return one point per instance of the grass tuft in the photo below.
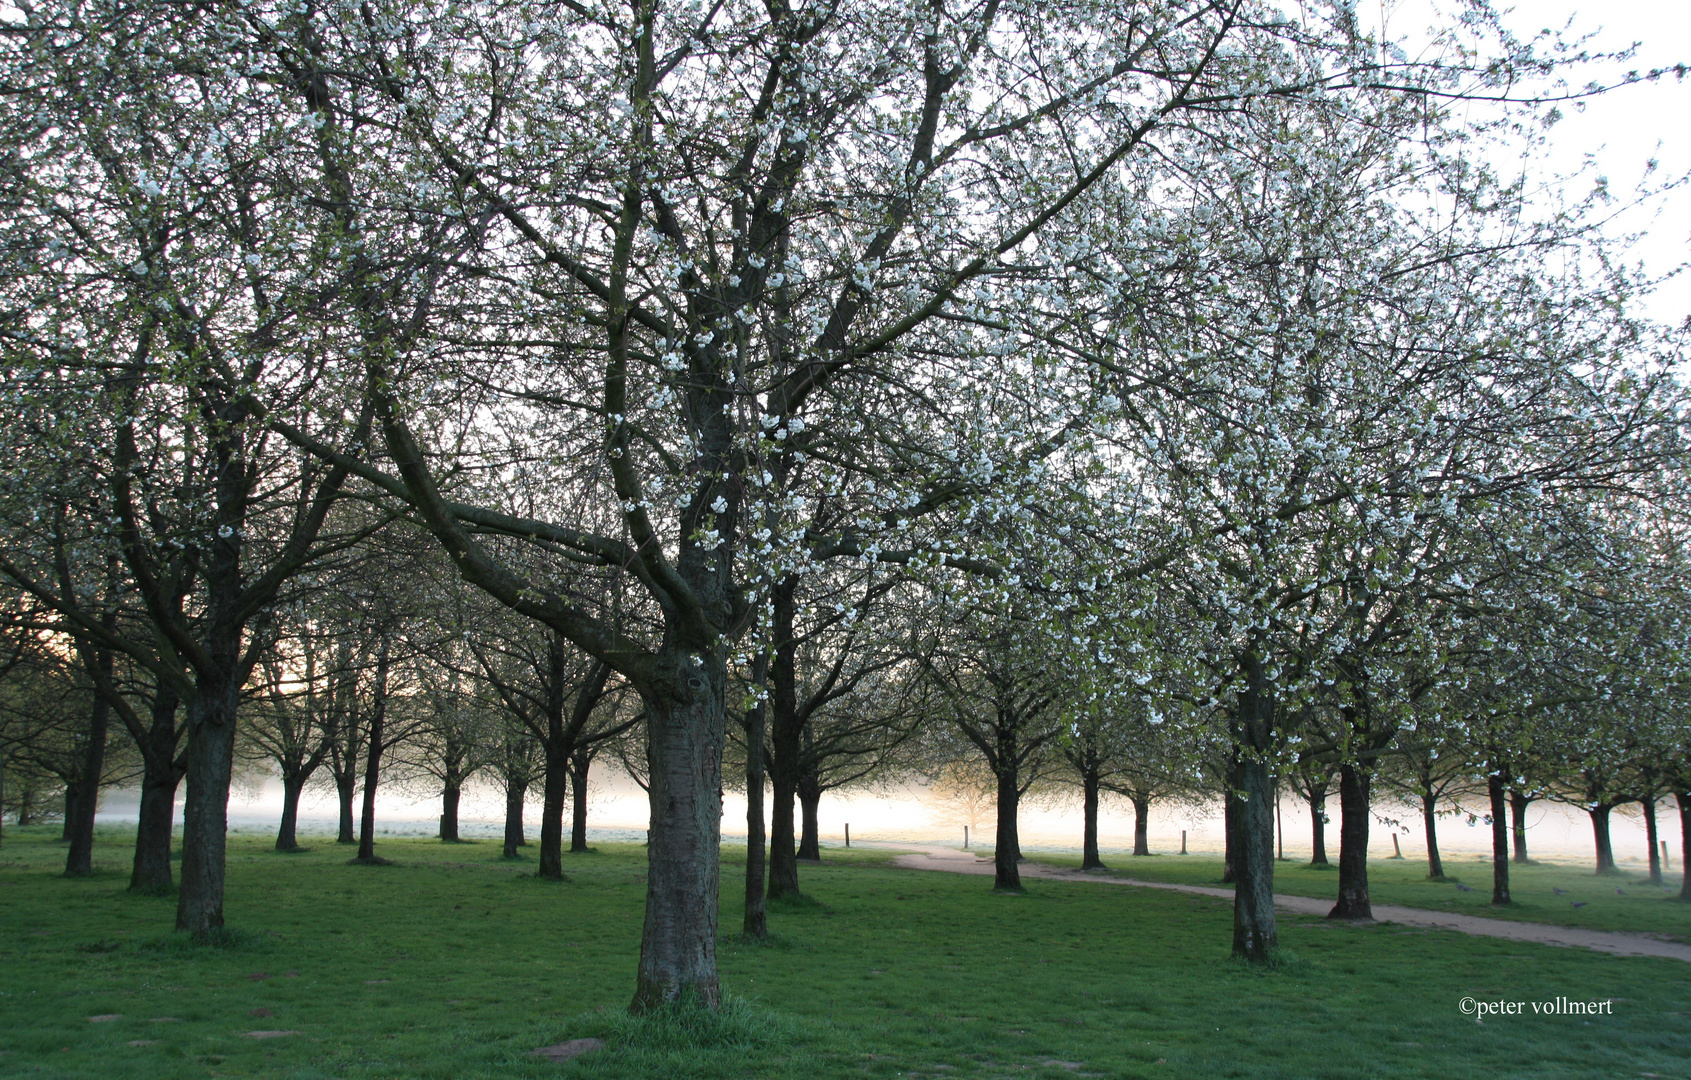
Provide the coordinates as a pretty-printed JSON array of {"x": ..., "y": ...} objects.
[{"x": 218, "y": 939}]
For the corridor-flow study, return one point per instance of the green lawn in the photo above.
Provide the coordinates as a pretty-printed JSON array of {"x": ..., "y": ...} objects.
[
  {"x": 454, "y": 964},
  {"x": 1639, "y": 906}
]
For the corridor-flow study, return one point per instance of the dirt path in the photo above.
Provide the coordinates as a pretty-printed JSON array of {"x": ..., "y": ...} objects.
[{"x": 950, "y": 860}]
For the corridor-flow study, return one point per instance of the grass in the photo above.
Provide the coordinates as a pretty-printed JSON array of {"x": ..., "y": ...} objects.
[
  {"x": 453, "y": 963},
  {"x": 1640, "y": 907}
]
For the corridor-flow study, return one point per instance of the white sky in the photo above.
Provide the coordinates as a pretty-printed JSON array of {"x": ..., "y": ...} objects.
[{"x": 1618, "y": 132}]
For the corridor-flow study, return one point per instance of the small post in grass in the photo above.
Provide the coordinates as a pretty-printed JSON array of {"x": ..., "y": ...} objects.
[
  {"x": 848, "y": 834},
  {"x": 1183, "y": 841},
  {"x": 965, "y": 838},
  {"x": 1664, "y": 854}
]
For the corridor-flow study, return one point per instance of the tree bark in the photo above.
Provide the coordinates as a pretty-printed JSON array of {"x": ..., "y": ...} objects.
[
  {"x": 554, "y": 790},
  {"x": 1600, "y": 833},
  {"x": 786, "y": 728},
  {"x": 515, "y": 792},
  {"x": 1499, "y": 840},
  {"x": 205, "y": 811},
  {"x": 810, "y": 798},
  {"x": 1354, "y": 784},
  {"x": 1141, "y": 825},
  {"x": 580, "y": 762},
  {"x": 1518, "y": 802},
  {"x": 1230, "y": 830},
  {"x": 1651, "y": 839},
  {"x": 1683, "y": 798},
  {"x": 1089, "y": 859},
  {"x": 79, "y": 861},
  {"x": 1255, "y": 931},
  {"x": 450, "y": 796},
  {"x": 1430, "y": 825},
  {"x": 684, "y": 762},
  {"x": 756, "y": 920},
  {"x": 346, "y": 787},
  {"x": 161, "y": 772},
  {"x": 1006, "y": 874},
  {"x": 286, "y": 840},
  {"x": 373, "y": 760},
  {"x": 1318, "y": 821}
]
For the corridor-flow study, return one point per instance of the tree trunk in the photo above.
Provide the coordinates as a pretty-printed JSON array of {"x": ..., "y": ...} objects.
[
  {"x": 756, "y": 922},
  {"x": 286, "y": 840},
  {"x": 515, "y": 792},
  {"x": 1429, "y": 824},
  {"x": 205, "y": 811},
  {"x": 786, "y": 729},
  {"x": 554, "y": 789},
  {"x": 580, "y": 762},
  {"x": 1318, "y": 821},
  {"x": 1499, "y": 840},
  {"x": 373, "y": 760},
  {"x": 346, "y": 786},
  {"x": 450, "y": 796},
  {"x": 1518, "y": 816},
  {"x": 1141, "y": 825},
  {"x": 684, "y": 761},
  {"x": 810, "y": 797},
  {"x": 1354, "y": 784},
  {"x": 160, "y": 774},
  {"x": 1255, "y": 931},
  {"x": 1006, "y": 874},
  {"x": 1089, "y": 859},
  {"x": 1230, "y": 830},
  {"x": 1650, "y": 838},
  {"x": 79, "y": 861},
  {"x": 1600, "y": 833},
  {"x": 1683, "y": 798}
]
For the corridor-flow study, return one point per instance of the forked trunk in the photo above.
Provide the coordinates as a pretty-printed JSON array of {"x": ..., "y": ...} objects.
[
  {"x": 205, "y": 811},
  {"x": 1318, "y": 821},
  {"x": 1005, "y": 873},
  {"x": 579, "y": 764},
  {"x": 515, "y": 792},
  {"x": 1354, "y": 784},
  {"x": 1499, "y": 840},
  {"x": 684, "y": 761},
  {"x": 1429, "y": 824},
  {"x": 1141, "y": 825},
  {"x": 1089, "y": 859}
]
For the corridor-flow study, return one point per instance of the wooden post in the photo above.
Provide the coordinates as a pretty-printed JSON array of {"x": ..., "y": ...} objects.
[
  {"x": 848, "y": 834},
  {"x": 1664, "y": 854},
  {"x": 965, "y": 838},
  {"x": 1183, "y": 841}
]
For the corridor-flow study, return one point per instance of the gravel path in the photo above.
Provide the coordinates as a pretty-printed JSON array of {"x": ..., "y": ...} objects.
[{"x": 950, "y": 860}]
